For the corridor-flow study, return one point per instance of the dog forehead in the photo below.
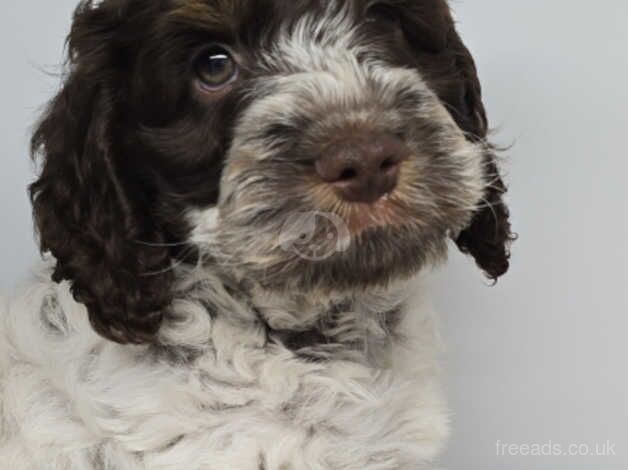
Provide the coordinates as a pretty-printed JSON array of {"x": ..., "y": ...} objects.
[
  {"x": 238, "y": 14},
  {"x": 258, "y": 22}
]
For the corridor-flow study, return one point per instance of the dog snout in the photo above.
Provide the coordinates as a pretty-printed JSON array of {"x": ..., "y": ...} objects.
[{"x": 363, "y": 167}]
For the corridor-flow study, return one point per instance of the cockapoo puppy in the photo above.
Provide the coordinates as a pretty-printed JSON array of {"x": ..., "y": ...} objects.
[{"x": 235, "y": 200}]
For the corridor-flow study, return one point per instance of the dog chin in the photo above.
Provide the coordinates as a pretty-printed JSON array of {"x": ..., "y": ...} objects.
[{"x": 377, "y": 257}]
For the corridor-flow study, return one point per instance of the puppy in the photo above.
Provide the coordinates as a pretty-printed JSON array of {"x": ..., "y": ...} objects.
[{"x": 234, "y": 201}]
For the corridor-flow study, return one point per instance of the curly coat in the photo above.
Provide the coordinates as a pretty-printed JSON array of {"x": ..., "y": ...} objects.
[{"x": 176, "y": 324}]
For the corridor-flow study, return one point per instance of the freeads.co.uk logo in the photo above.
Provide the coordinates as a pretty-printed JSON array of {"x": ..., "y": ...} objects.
[{"x": 314, "y": 235}]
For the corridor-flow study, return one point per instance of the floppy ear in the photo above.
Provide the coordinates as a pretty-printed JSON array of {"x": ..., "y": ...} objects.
[
  {"x": 451, "y": 70},
  {"x": 489, "y": 236},
  {"x": 102, "y": 237}
]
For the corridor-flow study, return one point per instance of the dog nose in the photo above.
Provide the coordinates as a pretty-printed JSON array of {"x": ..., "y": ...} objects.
[{"x": 363, "y": 168}]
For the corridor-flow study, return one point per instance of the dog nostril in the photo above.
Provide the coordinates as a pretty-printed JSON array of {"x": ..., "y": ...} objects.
[{"x": 348, "y": 174}]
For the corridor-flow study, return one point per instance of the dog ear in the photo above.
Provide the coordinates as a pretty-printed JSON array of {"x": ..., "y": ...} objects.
[
  {"x": 450, "y": 69},
  {"x": 489, "y": 235},
  {"x": 102, "y": 237}
]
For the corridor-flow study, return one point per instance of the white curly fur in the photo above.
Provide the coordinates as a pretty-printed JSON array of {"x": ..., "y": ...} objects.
[{"x": 218, "y": 393}]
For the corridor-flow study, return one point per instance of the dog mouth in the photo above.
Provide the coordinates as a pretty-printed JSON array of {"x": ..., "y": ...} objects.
[
  {"x": 388, "y": 211},
  {"x": 338, "y": 225},
  {"x": 371, "y": 247}
]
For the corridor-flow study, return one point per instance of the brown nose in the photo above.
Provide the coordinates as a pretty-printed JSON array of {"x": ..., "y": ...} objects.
[{"x": 364, "y": 167}]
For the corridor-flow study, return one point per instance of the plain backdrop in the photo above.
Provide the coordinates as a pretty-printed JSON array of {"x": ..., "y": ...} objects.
[{"x": 540, "y": 358}]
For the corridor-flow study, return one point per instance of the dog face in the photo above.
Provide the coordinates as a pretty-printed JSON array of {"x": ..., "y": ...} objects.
[{"x": 321, "y": 145}]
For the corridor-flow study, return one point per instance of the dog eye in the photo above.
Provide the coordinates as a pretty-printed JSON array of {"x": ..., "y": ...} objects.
[{"x": 216, "y": 67}]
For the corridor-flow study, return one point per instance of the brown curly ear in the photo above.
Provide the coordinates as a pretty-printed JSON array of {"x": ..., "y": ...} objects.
[
  {"x": 82, "y": 207},
  {"x": 450, "y": 69},
  {"x": 489, "y": 235}
]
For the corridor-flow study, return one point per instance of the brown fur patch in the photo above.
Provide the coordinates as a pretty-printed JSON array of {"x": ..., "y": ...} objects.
[{"x": 219, "y": 15}]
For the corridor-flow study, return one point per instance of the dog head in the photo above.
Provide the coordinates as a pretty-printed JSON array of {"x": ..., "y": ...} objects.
[{"x": 320, "y": 145}]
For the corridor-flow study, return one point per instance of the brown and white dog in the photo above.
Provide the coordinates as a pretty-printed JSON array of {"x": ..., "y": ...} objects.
[{"x": 235, "y": 198}]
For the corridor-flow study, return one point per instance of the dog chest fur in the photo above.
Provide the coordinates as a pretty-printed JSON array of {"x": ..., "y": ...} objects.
[{"x": 219, "y": 392}]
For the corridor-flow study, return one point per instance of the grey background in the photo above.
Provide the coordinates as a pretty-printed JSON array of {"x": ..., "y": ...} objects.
[{"x": 540, "y": 357}]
